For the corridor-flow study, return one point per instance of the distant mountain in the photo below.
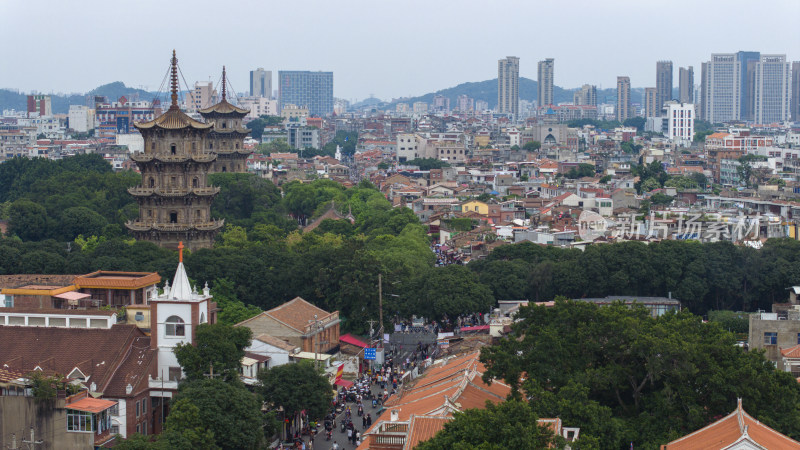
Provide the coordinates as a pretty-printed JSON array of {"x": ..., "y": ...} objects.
[
  {"x": 528, "y": 90},
  {"x": 15, "y": 100}
]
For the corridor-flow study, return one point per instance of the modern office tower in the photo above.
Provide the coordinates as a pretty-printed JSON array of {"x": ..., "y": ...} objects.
[
  {"x": 771, "y": 89},
  {"x": 722, "y": 94},
  {"x": 795, "y": 108},
  {"x": 508, "y": 86},
  {"x": 546, "y": 82},
  {"x": 663, "y": 83},
  {"x": 651, "y": 108},
  {"x": 623, "y": 98},
  {"x": 747, "y": 67},
  {"x": 586, "y": 95},
  {"x": 306, "y": 89},
  {"x": 261, "y": 83},
  {"x": 686, "y": 84}
]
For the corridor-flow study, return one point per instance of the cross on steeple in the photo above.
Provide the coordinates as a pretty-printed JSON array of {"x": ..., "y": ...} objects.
[
  {"x": 180, "y": 251},
  {"x": 174, "y": 81}
]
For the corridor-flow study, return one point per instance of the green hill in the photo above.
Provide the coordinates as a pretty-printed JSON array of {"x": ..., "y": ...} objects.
[
  {"x": 528, "y": 90},
  {"x": 10, "y": 99}
]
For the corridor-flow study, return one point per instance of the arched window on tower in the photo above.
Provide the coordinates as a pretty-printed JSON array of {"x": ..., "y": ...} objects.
[
  {"x": 224, "y": 124},
  {"x": 175, "y": 326},
  {"x": 194, "y": 182},
  {"x": 173, "y": 148},
  {"x": 173, "y": 217},
  {"x": 152, "y": 182}
]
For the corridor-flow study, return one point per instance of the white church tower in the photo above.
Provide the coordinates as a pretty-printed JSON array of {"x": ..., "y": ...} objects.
[{"x": 174, "y": 316}]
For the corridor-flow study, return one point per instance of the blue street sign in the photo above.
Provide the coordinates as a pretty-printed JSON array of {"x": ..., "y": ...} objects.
[{"x": 369, "y": 353}]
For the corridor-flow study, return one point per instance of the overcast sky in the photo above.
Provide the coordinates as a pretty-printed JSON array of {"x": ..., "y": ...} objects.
[{"x": 383, "y": 47}]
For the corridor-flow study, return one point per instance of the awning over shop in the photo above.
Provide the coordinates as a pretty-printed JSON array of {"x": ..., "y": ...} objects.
[{"x": 343, "y": 383}]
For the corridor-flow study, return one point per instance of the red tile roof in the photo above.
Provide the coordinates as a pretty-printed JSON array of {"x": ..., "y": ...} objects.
[
  {"x": 791, "y": 352},
  {"x": 92, "y": 405},
  {"x": 736, "y": 427},
  {"x": 296, "y": 313},
  {"x": 104, "y": 355},
  {"x": 423, "y": 428}
]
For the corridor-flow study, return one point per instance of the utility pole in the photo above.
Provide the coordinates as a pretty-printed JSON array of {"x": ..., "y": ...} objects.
[{"x": 380, "y": 307}]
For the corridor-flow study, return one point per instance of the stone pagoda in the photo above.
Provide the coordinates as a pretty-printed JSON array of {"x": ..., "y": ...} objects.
[
  {"x": 226, "y": 138},
  {"x": 174, "y": 197}
]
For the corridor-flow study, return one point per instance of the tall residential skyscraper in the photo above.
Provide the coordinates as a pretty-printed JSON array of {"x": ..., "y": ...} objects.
[
  {"x": 663, "y": 83},
  {"x": 686, "y": 84},
  {"x": 586, "y": 95},
  {"x": 747, "y": 67},
  {"x": 771, "y": 93},
  {"x": 701, "y": 101},
  {"x": 310, "y": 89},
  {"x": 651, "y": 108},
  {"x": 508, "y": 86},
  {"x": 722, "y": 94},
  {"x": 623, "y": 98},
  {"x": 795, "y": 108},
  {"x": 261, "y": 83},
  {"x": 546, "y": 82}
]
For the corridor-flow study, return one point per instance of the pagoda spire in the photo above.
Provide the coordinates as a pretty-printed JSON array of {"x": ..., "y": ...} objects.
[
  {"x": 224, "y": 90},
  {"x": 174, "y": 81}
]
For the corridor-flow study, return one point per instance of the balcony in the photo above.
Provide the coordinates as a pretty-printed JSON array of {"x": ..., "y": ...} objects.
[
  {"x": 175, "y": 227},
  {"x": 140, "y": 191}
]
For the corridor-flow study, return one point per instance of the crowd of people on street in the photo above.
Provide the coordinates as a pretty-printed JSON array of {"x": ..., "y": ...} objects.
[{"x": 444, "y": 257}]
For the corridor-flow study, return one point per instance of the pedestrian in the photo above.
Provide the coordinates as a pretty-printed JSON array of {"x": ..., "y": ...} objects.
[
  {"x": 369, "y": 420},
  {"x": 364, "y": 421},
  {"x": 335, "y": 446},
  {"x": 349, "y": 434}
]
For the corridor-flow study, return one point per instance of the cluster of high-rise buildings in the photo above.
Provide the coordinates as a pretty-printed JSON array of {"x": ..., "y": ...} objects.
[{"x": 733, "y": 87}]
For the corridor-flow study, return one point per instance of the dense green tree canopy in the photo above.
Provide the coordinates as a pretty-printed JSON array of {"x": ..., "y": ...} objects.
[
  {"x": 296, "y": 387},
  {"x": 653, "y": 379},
  {"x": 510, "y": 424},
  {"x": 220, "y": 346},
  {"x": 227, "y": 410}
]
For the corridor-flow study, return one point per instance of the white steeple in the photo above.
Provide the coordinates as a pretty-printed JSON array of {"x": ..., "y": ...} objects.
[{"x": 181, "y": 288}]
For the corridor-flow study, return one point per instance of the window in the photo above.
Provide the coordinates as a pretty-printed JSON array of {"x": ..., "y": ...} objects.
[
  {"x": 798, "y": 338},
  {"x": 174, "y": 373},
  {"x": 173, "y": 217},
  {"x": 79, "y": 421},
  {"x": 114, "y": 429},
  {"x": 144, "y": 406},
  {"x": 144, "y": 428},
  {"x": 8, "y": 300},
  {"x": 175, "y": 326},
  {"x": 173, "y": 148},
  {"x": 152, "y": 182},
  {"x": 138, "y": 411},
  {"x": 152, "y": 146},
  {"x": 114, "y": 411},
  {"x": 203, "y": 320},
  {"x": 770, "y": 338}
]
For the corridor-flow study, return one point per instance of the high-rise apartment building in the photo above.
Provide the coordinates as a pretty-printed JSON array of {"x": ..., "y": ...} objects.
[
  {"x": 310, "y": 89},
  {"x": 700, "y": 103},
  {"x": 586, "y": 95},
  {"x": 623, "y": 98},
  {"x": 546, "y": 82},
  {"x": 746, "y": 76},
  {"x": 680, "y": 122},
  {"x": 795, "y": 108},
  {"x": 261, "y": 83},
  {"x": 508, "y": 86},
  {"x": 663, "y": 82},
  {"x": 772, "y": 89},
  {"x": 202, "y": 96},
  {"x": 686, "y": 84},
  {"x": 465, "y": 104},
  {"x": 651, "y": 108},
  {"x": 40, "y": 104},
  {"x": 722, "y": 93}
]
